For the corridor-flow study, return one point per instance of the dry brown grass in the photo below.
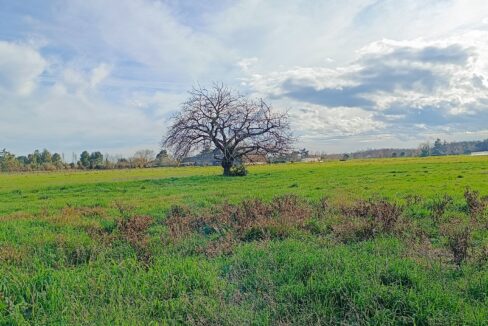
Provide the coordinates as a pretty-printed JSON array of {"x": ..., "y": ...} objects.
[
  {"x": 363, "y": 220},
  {"x": 481, "y": 255},
  {"x": 439, "y": 206},
  {"x": 15, "y": 216},
  {"x": 424, "y": 253},
  {"x": 413, "y": 200},
  {"x": 12, "y": 254},
  {"x": 78, "y": 216},
  {"x": 384, "y": 215},
  {"x": 258, "y": 220},
  {"x": 222, "y": 246},
  {"x": 251, "y": 220},
  {"x": 476, "y": 205},
  {"x": 124, "y": 208},
  {"x": 354, "y": 229},
  {"x": 134, "y": 231},
  {"x": 458, "y": 235}
]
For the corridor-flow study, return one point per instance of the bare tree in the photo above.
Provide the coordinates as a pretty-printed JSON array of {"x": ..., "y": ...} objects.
[
  {"x": 236, "y": 125},
  {"x": 142, "y": 158}
]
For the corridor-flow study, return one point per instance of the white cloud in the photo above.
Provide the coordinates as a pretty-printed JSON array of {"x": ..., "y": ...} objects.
[
  {"x": 99, "y": 74},
  {"x": 392, "y": 85},
  {"x": 246, "y": 63},
  {"x": 146, "y": 33},
  {"x": 75, "y": 121},
  {"x": 314, "y": 120},
  {"x": 69, "y": 114},
  {"x": 108, "y": 74},
  {"x": 20, "y": 66},
  {"x": 74, "y": 79}
]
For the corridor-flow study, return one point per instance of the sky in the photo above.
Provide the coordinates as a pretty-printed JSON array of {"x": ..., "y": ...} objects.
[{"x": 357, "y": 74}]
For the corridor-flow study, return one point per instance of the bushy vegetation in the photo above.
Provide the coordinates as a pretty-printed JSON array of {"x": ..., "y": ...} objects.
[
  {"x": 399, "y": 241},
  {"x": 437, "y": 148},
  {"x": 45, "y": 161}
]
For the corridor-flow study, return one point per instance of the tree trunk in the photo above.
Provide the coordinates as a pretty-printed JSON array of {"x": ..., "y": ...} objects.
[{"x": 227, "y": 164}]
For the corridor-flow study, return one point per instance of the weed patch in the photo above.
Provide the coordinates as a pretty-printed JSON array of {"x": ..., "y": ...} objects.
[
  {"x": 134, "y": 231},
  {"x": 458, "y": 235}
]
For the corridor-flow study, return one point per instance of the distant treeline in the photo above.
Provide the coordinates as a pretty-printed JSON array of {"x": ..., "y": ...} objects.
[
  {"x": 47, "y": 161},
  {"x": 438, "y": 148}
]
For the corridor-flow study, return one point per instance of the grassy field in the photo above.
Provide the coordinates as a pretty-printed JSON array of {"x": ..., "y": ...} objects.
[{"x": 393, "y": 241}]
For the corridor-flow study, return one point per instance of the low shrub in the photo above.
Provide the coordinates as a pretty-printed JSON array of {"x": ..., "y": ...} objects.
[
  {"x": 238, "y": 171},
  {"x": 481, "y": 255},
  {"x": 384, "y": 215},
  {"x": 475, "y": 205},
  {"x": 458, "y": 235},
  {"x": 251, "y": 220},
  {"x": 134, "y": 231},
  {"x": 178, "y": 211},
  {"x": 354, "y": 229},
  {"x": 413, "y": 200},
  {"x": 123, "y": 208},
  {"x": 323, "y": 206},
  {"x": 12, "y": 254},
  {"x": 222, "y": 246},
  {"x": 439, "y": 205},
  {"x": 363, "y": 220}
]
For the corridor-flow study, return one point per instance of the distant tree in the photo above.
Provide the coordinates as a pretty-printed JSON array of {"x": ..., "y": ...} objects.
[
  {"x": 85, "y": 159},
  {"x": 235, "y": 125},
  {"x": 23, "y": 160},
  {"x": 8, "y": 161},
  {"x": 96, "y": 160},
  {"x": 394, "y": 154},
  {"x": 294, "y": 156},
  {"x": 58, "y": 161},
  {"x": 109, "y": 161},
  {"x": 424, "y": 150},
  {"x": 482, "y": 146},
  {"x": 439, "y": 148},
  {"x": 345, "y": 157},
  {"x": 123, "y": 163},
  {"x": 46, "y": 156},
  {"x": 35, "y": 158},
  {"x": 304, "y": 153},
  {"x": 164, "y": 159},
  {"x": 402, "y": 154},
  {"x": 143, "y": 157},
  {"x": 162, "y": 155},
  {"x": 56, "y": 158}
]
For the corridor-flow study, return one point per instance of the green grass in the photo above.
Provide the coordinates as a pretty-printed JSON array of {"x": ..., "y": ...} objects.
[
  {"x": 153, "y": 190},
  {"x": 66, "y": 259}
]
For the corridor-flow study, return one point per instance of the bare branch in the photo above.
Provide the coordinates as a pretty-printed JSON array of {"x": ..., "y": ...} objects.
[{"x": 235, "y": 125}]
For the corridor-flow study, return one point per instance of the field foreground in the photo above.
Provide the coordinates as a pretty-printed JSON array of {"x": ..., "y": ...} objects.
[{"x": 395, "y": 241}]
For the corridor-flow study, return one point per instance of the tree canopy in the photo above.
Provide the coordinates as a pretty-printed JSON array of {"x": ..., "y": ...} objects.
[{"x": 236, "y": 125}]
